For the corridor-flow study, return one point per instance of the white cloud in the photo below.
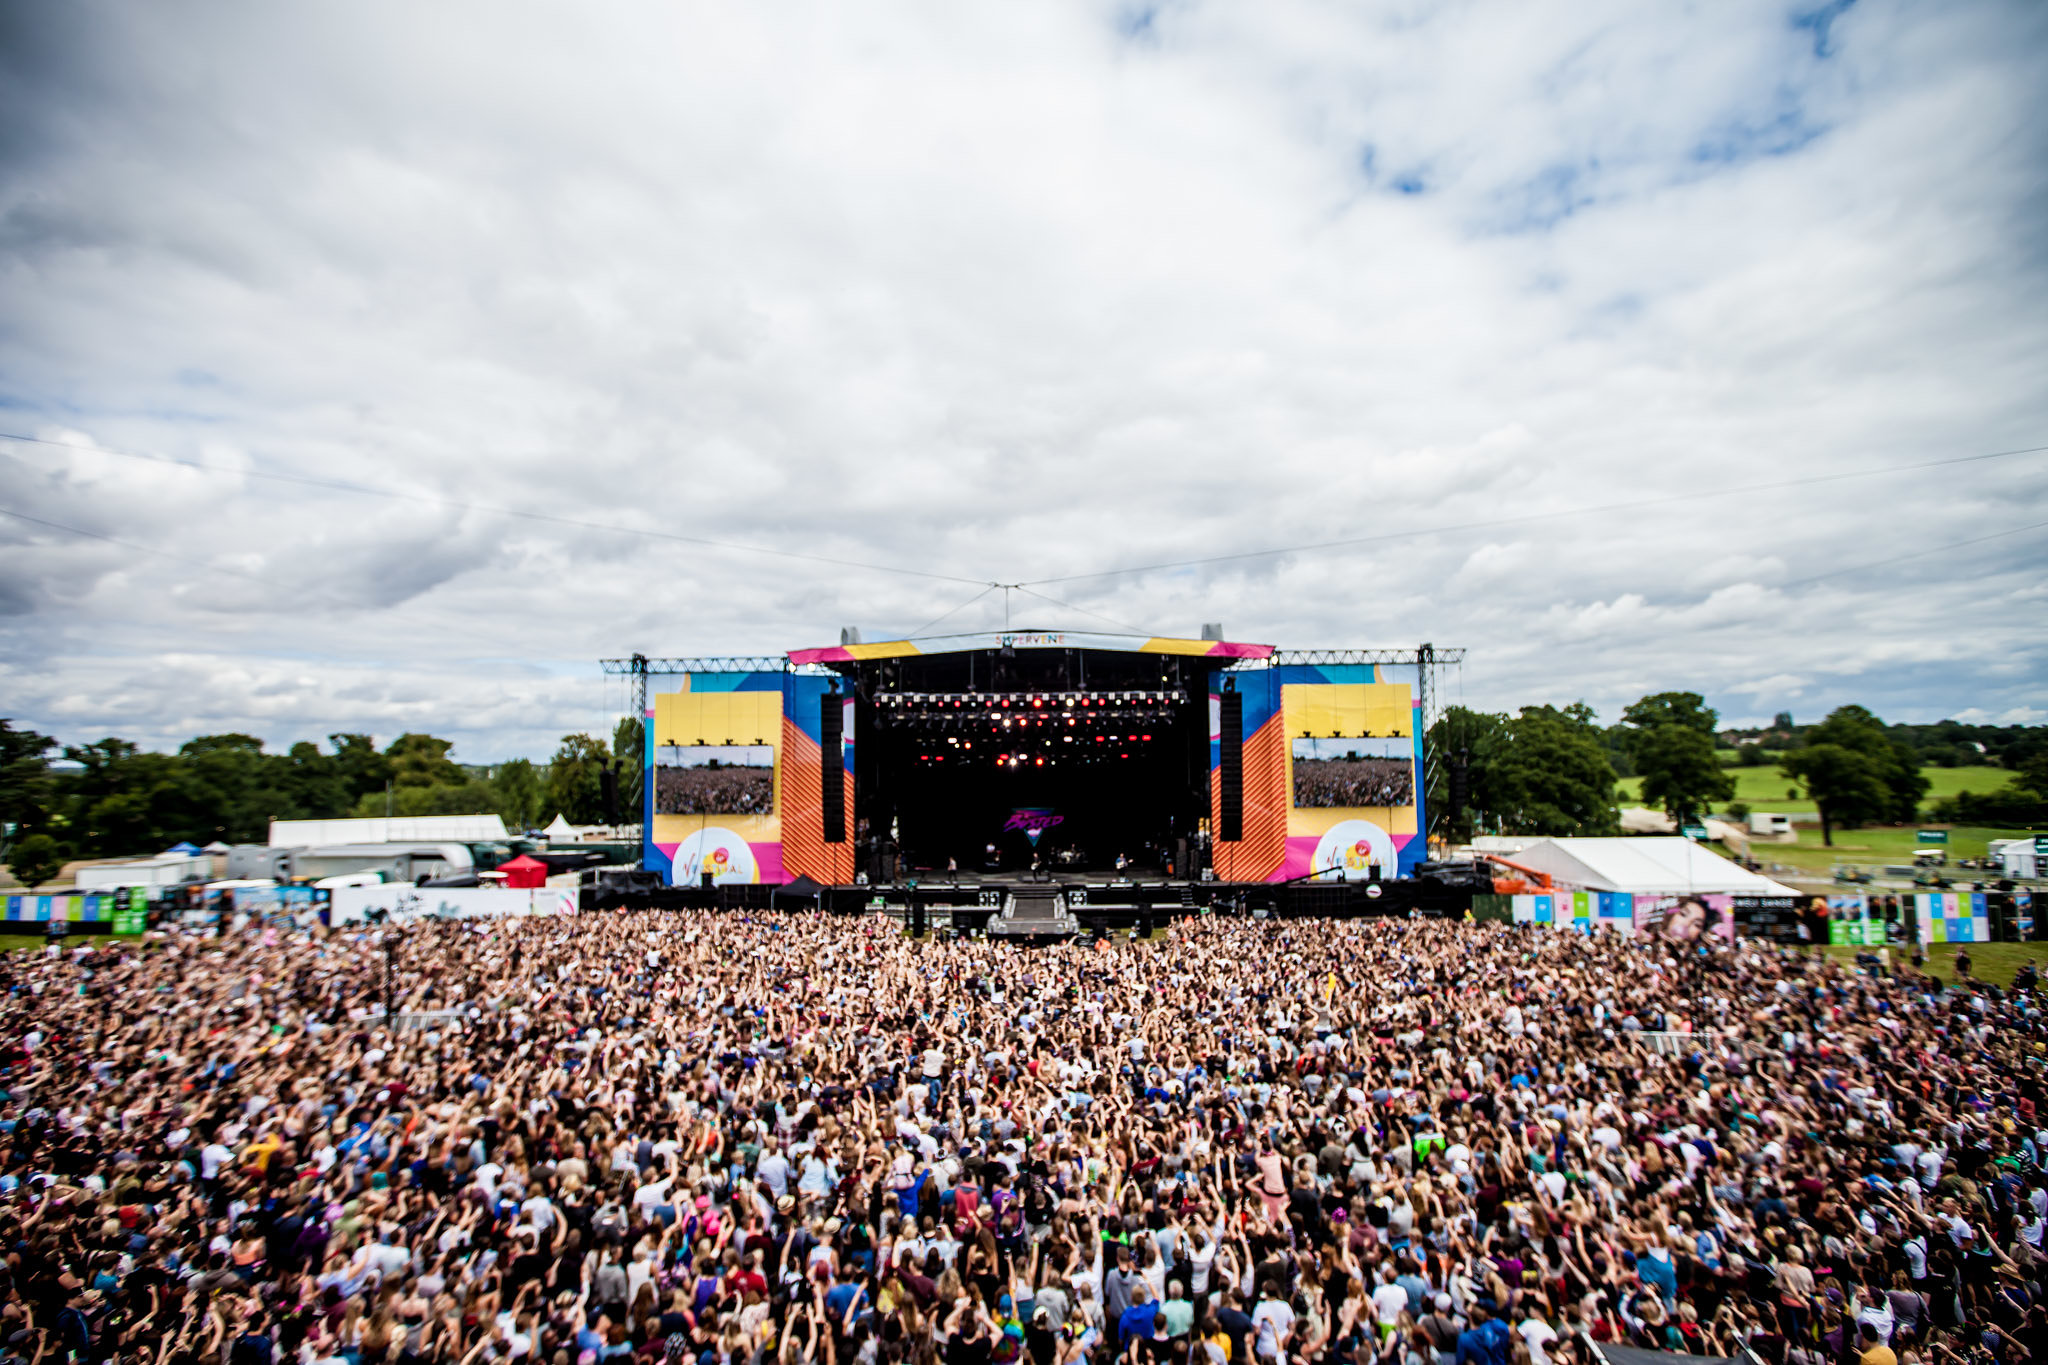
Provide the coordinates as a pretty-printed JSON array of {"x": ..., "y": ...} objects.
[{"x": 1012, "y": 294}]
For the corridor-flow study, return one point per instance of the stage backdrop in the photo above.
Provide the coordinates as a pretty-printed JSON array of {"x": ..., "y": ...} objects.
[
  {"x": 1332, "y": 758},
  {"x": 735, "y": 787}
]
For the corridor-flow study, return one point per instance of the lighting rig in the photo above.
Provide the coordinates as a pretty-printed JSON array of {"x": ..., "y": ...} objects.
[{"x": 1029, "y": 729}]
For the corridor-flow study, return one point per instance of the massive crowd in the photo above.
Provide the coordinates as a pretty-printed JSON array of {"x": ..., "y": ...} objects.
[
  {"x": 735, "y": 1141},
  {"x": 1326, "y": 782}
]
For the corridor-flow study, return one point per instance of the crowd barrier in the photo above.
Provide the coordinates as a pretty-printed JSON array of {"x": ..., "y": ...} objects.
[
  {"x": 402, "y": 902},
  {"x": 1854, "y": 918}
]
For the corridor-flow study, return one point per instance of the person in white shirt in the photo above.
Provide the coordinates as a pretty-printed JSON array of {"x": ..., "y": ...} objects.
[
  {"x": 1389, "y": 1301},
  {"x": 1537, "y": 1335},
  {"x": 773, "y": 1167},
  {"x": 1273, "y": 1321},
  {"x": 212, "y": 1157}
]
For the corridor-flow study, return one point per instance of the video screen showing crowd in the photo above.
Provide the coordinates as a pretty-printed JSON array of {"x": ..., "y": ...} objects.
[
  {"x": 741, "y": 1138},
  {"x": 714, "y": 779},
  {"x": 1341, "y": 782}
]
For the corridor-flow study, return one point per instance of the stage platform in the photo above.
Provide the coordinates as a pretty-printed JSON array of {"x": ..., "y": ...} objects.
[{"x": 1052, "y": 906}]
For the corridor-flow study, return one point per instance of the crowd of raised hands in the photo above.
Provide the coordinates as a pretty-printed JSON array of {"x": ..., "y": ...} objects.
[{"x": 733, "y": 1139}]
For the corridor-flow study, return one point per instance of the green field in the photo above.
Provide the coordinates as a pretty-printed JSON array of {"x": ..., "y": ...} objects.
[
  {"x": 1993, "y": 962},
  {"x": 1764, "y": 788},
  {"x": 1885, "y": 846}
]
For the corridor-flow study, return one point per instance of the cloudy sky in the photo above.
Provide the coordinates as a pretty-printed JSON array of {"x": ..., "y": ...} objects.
[{"x": 388, "y": 365}]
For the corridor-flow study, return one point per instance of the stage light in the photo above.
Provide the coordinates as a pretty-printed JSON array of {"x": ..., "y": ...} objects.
[
  {"x": 1148, "y": 737},
  {"x": 1041, "y": 763}
]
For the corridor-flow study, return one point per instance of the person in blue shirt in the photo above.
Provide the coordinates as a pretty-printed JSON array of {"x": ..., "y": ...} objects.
[
  {"x": 1485, "y": 1342},
  {"x": 1136, "y": 1322}
]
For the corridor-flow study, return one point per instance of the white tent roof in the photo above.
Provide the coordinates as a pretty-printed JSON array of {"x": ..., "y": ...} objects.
[
  {"x": 559, "y": 828},
  {"x": 1644, "y": 864},
  {"x": 466, "y": 829}
]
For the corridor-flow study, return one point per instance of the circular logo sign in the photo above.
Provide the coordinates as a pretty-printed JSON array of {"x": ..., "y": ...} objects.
[
  {"x": 717, "y": 851},
  {"x": 1352, "y": 848}
]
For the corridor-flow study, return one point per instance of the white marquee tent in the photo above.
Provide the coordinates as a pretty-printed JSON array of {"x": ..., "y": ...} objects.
[{"x": 1643, "y": 865}]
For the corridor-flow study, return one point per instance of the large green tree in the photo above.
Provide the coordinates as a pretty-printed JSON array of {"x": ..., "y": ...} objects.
[
  {"x": 122, "y": 801},
  {"x": 575, "y": 786},
  {"x": 34, "y": 859},
  {"x": 233, "y": 789},
  {"x": 1845, "y": 784},
  {"x": 359, "y": 766},
  {"x": 1670, "y": 741},
  {"x": 1855, "y": 772},
  {"x": 422, "y": 761},
  {"x": 27, "y": 793},
  {"x": 519, "y": 793},
  {"x": 1549, "y": 774}
]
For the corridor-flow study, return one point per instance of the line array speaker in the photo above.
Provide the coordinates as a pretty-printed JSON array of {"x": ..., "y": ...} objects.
[
  {"x": 1230, "y": 771},
  {"x": 832, "y": 766}
]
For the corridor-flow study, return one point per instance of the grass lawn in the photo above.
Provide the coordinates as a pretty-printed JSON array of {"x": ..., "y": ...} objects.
[
  {"x": 1890, "y": 845},
  {"x": 1993, "y": 962},
  {"x": 1764, "y": 788}
]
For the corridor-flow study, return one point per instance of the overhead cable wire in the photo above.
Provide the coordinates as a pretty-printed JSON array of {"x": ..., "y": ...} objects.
[
  {"x": 1120, "y": 625},
  {"x": 1636, "y": 504},
  {"x": 1916, "y": 554},
  {"x": 457, "y": 504},
  {"x": 915, "y": 634},
  {"x": 206, "y": 564}
]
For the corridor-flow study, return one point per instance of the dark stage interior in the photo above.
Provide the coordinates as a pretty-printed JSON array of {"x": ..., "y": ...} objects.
[{"x": 965, "y": 757}]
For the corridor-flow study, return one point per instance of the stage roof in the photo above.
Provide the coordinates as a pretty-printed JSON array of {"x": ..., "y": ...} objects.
[{"x": 1028, "y": 639}]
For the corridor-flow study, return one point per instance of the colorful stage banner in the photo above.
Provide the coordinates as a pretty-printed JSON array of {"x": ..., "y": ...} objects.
[
  {"x": 1953, "y": 916},
  {"x": 123, "y": 909},
  {"x": 1849, "y": 921}
]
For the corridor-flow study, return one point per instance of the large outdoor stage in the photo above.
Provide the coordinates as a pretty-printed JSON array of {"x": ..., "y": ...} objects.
[{"x": 976, "y": 774}]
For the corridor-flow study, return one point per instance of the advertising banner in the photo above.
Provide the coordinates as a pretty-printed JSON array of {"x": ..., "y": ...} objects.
[
  {"x": 1686, "y": 918},
  {"x": 1849, "y": 921},
  {"x": 83, "y": 907},
  {"x": 401, "y": 902},
  {"x": 1953, "y": 917},
  {"x": 1778, "y": 919},
  {"x": 131, "y": 912},
  {"x": 1490, "y": 908}
]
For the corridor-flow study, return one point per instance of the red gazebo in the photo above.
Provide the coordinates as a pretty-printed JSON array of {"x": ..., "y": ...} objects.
[{"x": 524, "y": 871}]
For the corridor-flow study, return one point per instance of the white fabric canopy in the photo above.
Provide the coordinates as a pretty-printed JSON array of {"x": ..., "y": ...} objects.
[{"x": 1646, "y": 864}]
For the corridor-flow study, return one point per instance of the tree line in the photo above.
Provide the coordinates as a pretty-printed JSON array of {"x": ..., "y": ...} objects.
[
  {"x": 1552, "y": 770},
  {"x": 112, "y": 798}
]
